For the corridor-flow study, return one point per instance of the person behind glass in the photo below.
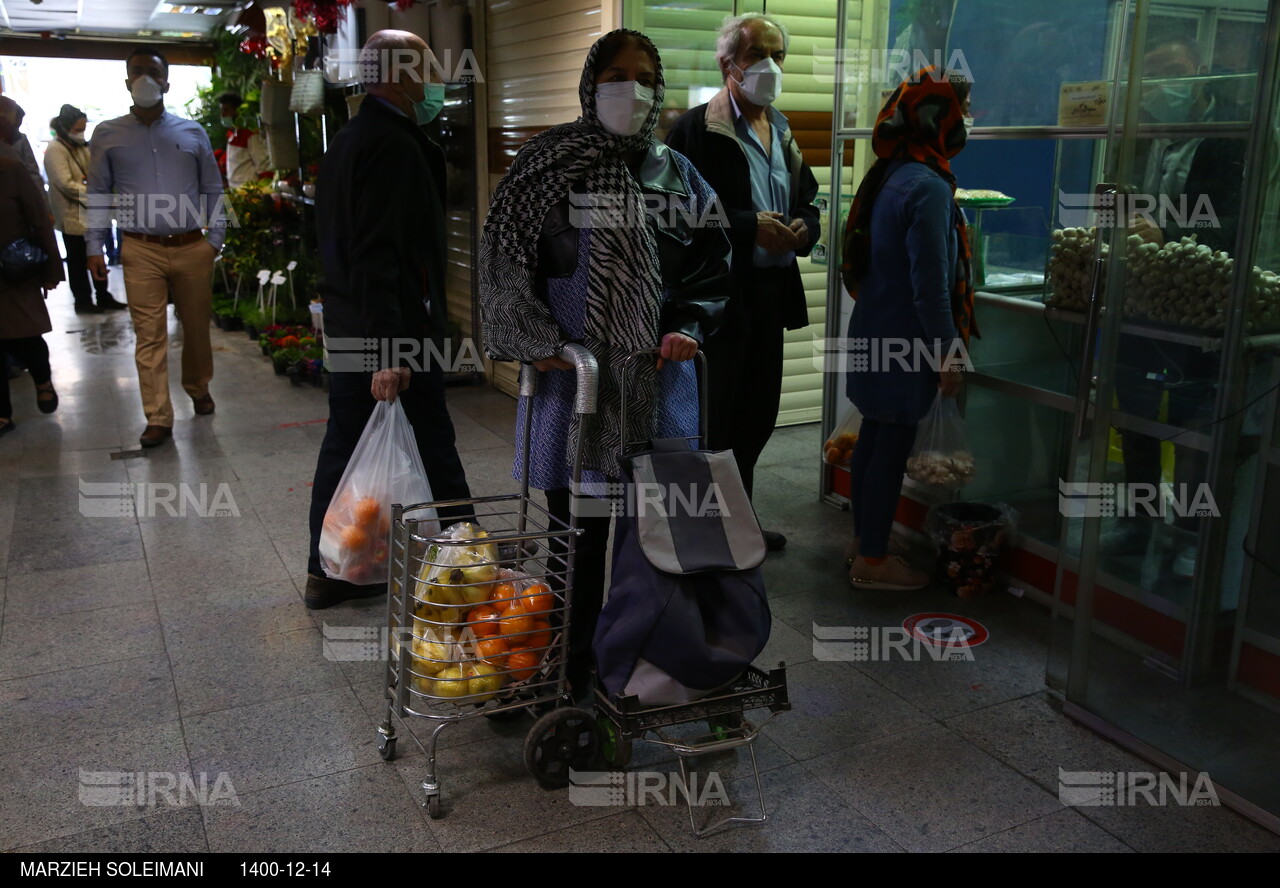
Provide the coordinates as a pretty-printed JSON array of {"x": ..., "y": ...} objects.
[
  {"x": 907, "y": 266},
  {"x": 66, "y": 163},
  {"x": 1177, "y": 169},
  {"x": 160, "y": 169},
  {"x": 744, "y": 148},
  {"x": 23, "y": 317},
  {"x": 381, "y": 233},
  {"x": 552, "y": 273},
  {"x": 246, "y": 153}
]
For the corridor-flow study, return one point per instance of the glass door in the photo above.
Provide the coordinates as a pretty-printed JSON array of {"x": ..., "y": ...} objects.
[{"x": 1178, "y": 343}]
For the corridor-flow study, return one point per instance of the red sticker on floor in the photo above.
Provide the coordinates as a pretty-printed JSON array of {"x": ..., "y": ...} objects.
[{"x": 946, "y": 630}]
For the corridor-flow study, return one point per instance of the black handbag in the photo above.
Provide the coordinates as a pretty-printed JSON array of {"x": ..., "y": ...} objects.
[{"x": 22, "y": 260}]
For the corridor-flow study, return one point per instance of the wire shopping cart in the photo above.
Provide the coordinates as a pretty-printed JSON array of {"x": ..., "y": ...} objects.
[{"x": 478, "y": 615}]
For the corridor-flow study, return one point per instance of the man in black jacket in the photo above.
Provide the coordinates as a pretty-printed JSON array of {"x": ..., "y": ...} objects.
[
  {"x": 1192, "y": 176},
  {"x": 380, "y": 223},
  {"x": 744, "y": 148}
]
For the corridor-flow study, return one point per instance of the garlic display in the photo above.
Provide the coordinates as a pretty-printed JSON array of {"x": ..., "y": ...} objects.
[
  {"x": 952, "y": 469},
  {"x": 1070, "y": 268},
  {"x": 1182, "y": 283}
]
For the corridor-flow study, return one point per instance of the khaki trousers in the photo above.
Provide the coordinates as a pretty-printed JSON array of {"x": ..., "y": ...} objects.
[{"x": 151, "y": 273}]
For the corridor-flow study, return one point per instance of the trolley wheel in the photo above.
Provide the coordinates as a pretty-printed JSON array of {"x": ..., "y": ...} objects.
[
  {"x": 433, "y": 808},
  {"x": 561, "y": 740},
  {"x": 387, "y": 748},
  {"x": 614, "y": 748}
]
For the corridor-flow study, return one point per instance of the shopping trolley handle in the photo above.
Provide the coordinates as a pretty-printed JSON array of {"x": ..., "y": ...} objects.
[{"x": 588, "y": 374}]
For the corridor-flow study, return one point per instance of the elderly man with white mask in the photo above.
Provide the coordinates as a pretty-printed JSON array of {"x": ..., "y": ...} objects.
[
  {"x": 744, "y": 148},
  {"x": 380, "y": 226}
]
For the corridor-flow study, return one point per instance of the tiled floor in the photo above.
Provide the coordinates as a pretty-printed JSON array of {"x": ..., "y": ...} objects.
[{"x": 175, "y": 645}]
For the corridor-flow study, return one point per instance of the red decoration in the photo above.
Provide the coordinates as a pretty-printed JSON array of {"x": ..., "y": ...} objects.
[
  {"x": 255, "y": 44},
  {"x": 326, "y": 15}
]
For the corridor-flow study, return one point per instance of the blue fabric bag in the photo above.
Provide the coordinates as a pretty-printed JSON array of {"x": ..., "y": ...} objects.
[{"x": 687, "y": 611}]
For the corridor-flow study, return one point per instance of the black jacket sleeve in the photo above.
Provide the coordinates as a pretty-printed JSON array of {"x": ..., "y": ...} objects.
[
  {"x": 698, "y": 287},
  {"x": 719, "y": 169},
  {"x": 804, "y": 190}
]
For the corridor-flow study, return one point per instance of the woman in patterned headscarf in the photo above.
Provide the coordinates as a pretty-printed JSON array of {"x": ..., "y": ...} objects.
[
  {"x": 906, "y": 263},
  {"x": 593, "y": 237}
]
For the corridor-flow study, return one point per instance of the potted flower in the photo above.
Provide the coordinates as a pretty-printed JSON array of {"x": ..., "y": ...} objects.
[
  {"x": 284, "y": 359},
  {"x": 314, "y": 357}
]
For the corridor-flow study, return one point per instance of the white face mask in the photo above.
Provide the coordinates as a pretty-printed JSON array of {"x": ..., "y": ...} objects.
[
  {"x": 146, "y": 92},
  {"x": 968, "y": 126},
  {"x": 623, "y": 107},
  {"x": 762, "y": 82}
]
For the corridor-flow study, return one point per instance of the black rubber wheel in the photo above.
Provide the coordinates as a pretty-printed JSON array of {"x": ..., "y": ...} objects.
[
  {"x": 562, "y": 740},
  {"x": 387, "y": 748},
  {"x": 433, "y": 808},
  {"x": 614, "y": 748}
]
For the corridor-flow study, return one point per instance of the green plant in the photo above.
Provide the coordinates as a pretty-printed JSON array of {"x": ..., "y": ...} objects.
[
  {"x": 250, "y": 315},
  {"x": 233, "y": 71}
]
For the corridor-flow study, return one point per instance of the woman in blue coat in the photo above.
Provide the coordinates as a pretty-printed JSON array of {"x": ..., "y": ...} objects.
[{"x": 907, "y": 266}]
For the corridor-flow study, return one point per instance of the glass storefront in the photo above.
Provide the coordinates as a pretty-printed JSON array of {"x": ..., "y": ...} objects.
[{"x": 1125, "y": 391}]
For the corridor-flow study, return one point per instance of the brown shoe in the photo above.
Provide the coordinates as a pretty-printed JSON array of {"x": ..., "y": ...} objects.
[
  {"x": 154, "y": 436},
  {"x": 203, "y": 405},
  {"x": 893, "y": 573}
]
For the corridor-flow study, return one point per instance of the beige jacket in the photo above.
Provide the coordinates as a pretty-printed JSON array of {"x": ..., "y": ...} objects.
[{"x": 67, "y": 167}]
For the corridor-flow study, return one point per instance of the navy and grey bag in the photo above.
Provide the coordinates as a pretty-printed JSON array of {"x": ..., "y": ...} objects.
[{"x": 687, "y": 611}]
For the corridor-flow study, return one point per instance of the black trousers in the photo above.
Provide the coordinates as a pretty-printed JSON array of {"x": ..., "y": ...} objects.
[
  {"x": 78, "y": 271},
  {"x": 31, "y": 351},
  {"x": 744, "y": 372},
  {"x": 588, "y": 581},
  {"x": 350, "y": 406}
]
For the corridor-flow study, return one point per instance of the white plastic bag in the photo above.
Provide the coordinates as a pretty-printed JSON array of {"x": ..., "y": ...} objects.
[
  {"x": 838, "y": 449},
  {"x": 940, "y": 455},
  {"x": 355, "y": 542}
]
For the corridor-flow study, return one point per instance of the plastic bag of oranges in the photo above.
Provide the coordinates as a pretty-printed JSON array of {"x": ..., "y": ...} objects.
[
  {"x": 838, "y": 450},
  {"x": 355, "y": 541}
]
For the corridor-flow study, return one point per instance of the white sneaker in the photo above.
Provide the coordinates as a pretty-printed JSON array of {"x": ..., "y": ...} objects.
[{"x": 893, "y": 573}]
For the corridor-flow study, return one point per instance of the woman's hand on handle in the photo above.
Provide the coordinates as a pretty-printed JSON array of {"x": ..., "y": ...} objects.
[{"x": 677, "y": 347}]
